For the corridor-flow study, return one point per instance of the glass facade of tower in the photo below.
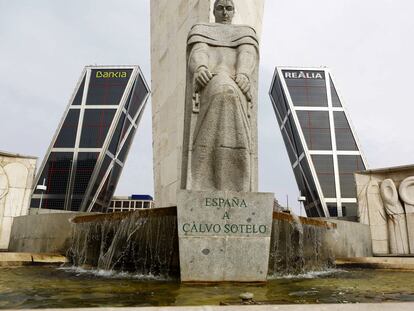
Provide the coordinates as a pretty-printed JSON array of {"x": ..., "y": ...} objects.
[
  {"x": 320, "y": 142},
  {"x": 87, "y": 154}
]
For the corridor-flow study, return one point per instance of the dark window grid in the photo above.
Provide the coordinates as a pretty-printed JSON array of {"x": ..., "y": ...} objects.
[
  {"x": 309, "y": 127},
  {"x": 128, "y": 101},
  {"x": 359, "y": 167},
  {"x": 333, "y": 210},
  {"x": 308, "y": 90},
  {"x": 293, "y": 157},
  {"x": 79, "y": 94},
  {"x": 55, "y": 179},
  {"x": 294, "y": 135},
  {"x": 102, "y": 127},
  {"x": 58, "y": 176},
  {"x": 67, "y": 133},
  {"x": 306, "y": 83},
  {"x": 101, "y": 174},
  {"x": 349, "y": 209},
  {"x": 327, "y": 174},
  {"x": 139, "y": 93},
  {"x": 76, "y": 204},
  {"x": 346, "y": 177},
  {"x": 279, "y": 99},
  {"x": 127, "y": 126},
  {"x": 341, "y": 123},
  {"x": 70, "y": 124},
  {"x": 82, "y": 179},
  {"x": 336, "y": 102},
  {"x": 345, "y": 136},
  {"x": 325, "y": 171},
  {"x": 107, "y": 85},
  {"x": 53, "y": 204},
  {"x": 278, "y": 118},
  {"x": 116, "y": 137},
  {"x": 122, "y": 155},
  {"x": 312, "y": 196}
]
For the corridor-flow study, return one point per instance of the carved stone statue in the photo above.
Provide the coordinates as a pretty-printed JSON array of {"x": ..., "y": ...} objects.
[
  {"x": 406, "y": 190},
  {"x": 220, "y": 124},
  {"x": 397, "y": 225}
]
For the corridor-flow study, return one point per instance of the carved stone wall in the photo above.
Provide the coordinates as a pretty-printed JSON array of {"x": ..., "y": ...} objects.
[
  {"x": 171, "y": 21},
  {"x": 16, "y": 181},
  {"x": 385, "y": 202}
]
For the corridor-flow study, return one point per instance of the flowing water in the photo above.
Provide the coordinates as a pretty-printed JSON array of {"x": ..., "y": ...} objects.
[
  {"x": 50, "y": 287},
  {"x": 144, "y": 243},
  {"x": 297, "y": 248}
]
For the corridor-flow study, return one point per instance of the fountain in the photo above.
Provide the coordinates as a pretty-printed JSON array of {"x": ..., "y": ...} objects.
[{"x": 145, "y": 242}]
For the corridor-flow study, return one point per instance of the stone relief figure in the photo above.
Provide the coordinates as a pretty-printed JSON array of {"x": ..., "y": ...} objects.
[
  {"x": 4, "y": 183},
  {"x": 220, "y": 123},
  {"x": 372, "y": 213},
  {"x": 397, "y": 225},
  {"x": 4, "y": 191},
  {"x": 406, "y": 190}
]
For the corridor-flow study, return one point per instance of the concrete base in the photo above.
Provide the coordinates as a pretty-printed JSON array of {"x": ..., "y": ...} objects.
[
  {"x": 397, "y": 263},
  {"x": 46, "y": 233},
  {"x": 351, "y": 239},
  {"x": 23, "y": 259},
  {"x": 224, "y": 236}
]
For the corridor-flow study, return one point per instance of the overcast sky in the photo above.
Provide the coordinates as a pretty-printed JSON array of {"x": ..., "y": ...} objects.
[{"x": 45, "y": 44}]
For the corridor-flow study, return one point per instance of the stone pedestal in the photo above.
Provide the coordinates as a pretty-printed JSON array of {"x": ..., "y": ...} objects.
[{"x": 224, "y": 236}]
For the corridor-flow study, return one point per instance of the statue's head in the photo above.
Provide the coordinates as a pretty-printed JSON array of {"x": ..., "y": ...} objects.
[{"x": 224, "y": 11}]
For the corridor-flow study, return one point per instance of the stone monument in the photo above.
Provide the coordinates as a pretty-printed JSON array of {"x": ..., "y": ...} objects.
[
  {"x": 224, "y": 225},
  {"x": 220, "y": 131},
  {"x": 171, "y": 22}
]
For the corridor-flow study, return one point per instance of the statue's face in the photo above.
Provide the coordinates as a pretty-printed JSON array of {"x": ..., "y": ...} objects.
[{"x": 224, "y": 11}]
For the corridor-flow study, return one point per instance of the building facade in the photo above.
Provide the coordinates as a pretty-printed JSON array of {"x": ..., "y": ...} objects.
[
  {"x": 127, "y": 204},
  {"x": 321, "y": 144},
  {"x": 83, "y": 164}
]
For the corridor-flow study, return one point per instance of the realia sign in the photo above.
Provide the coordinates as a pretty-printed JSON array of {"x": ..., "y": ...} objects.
[{"x": 298, "y": 74}]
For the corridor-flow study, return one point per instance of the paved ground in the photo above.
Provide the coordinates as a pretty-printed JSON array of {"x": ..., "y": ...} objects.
[{"x": 329, "y": 307}]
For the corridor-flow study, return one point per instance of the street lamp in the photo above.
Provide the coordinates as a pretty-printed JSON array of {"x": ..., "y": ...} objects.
[
  {"x": 301, "y": 200},
  {"x": 42, "y": 188}
]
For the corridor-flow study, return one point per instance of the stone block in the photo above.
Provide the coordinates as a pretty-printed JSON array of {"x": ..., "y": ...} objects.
[
  {"x": 17, "y": 174},
  {"x": 380, "y": 247},
  {"x": 14, "y": 202},
  {"x": 224, "y": 236},
  {"x": 410, "y": 229},
  {"x": 5, "y": 231}
]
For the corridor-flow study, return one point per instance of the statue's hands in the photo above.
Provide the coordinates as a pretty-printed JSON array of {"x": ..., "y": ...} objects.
[
  {"x": 244, "y": 84},
  {"x": 203, "y": 76}
]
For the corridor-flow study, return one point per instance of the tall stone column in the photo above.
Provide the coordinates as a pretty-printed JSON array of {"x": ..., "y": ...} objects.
[{"x": 171, "y": 20}]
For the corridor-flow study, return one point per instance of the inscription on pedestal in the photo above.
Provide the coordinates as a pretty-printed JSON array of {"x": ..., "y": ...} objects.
[{"x": 224, "y": 236}]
